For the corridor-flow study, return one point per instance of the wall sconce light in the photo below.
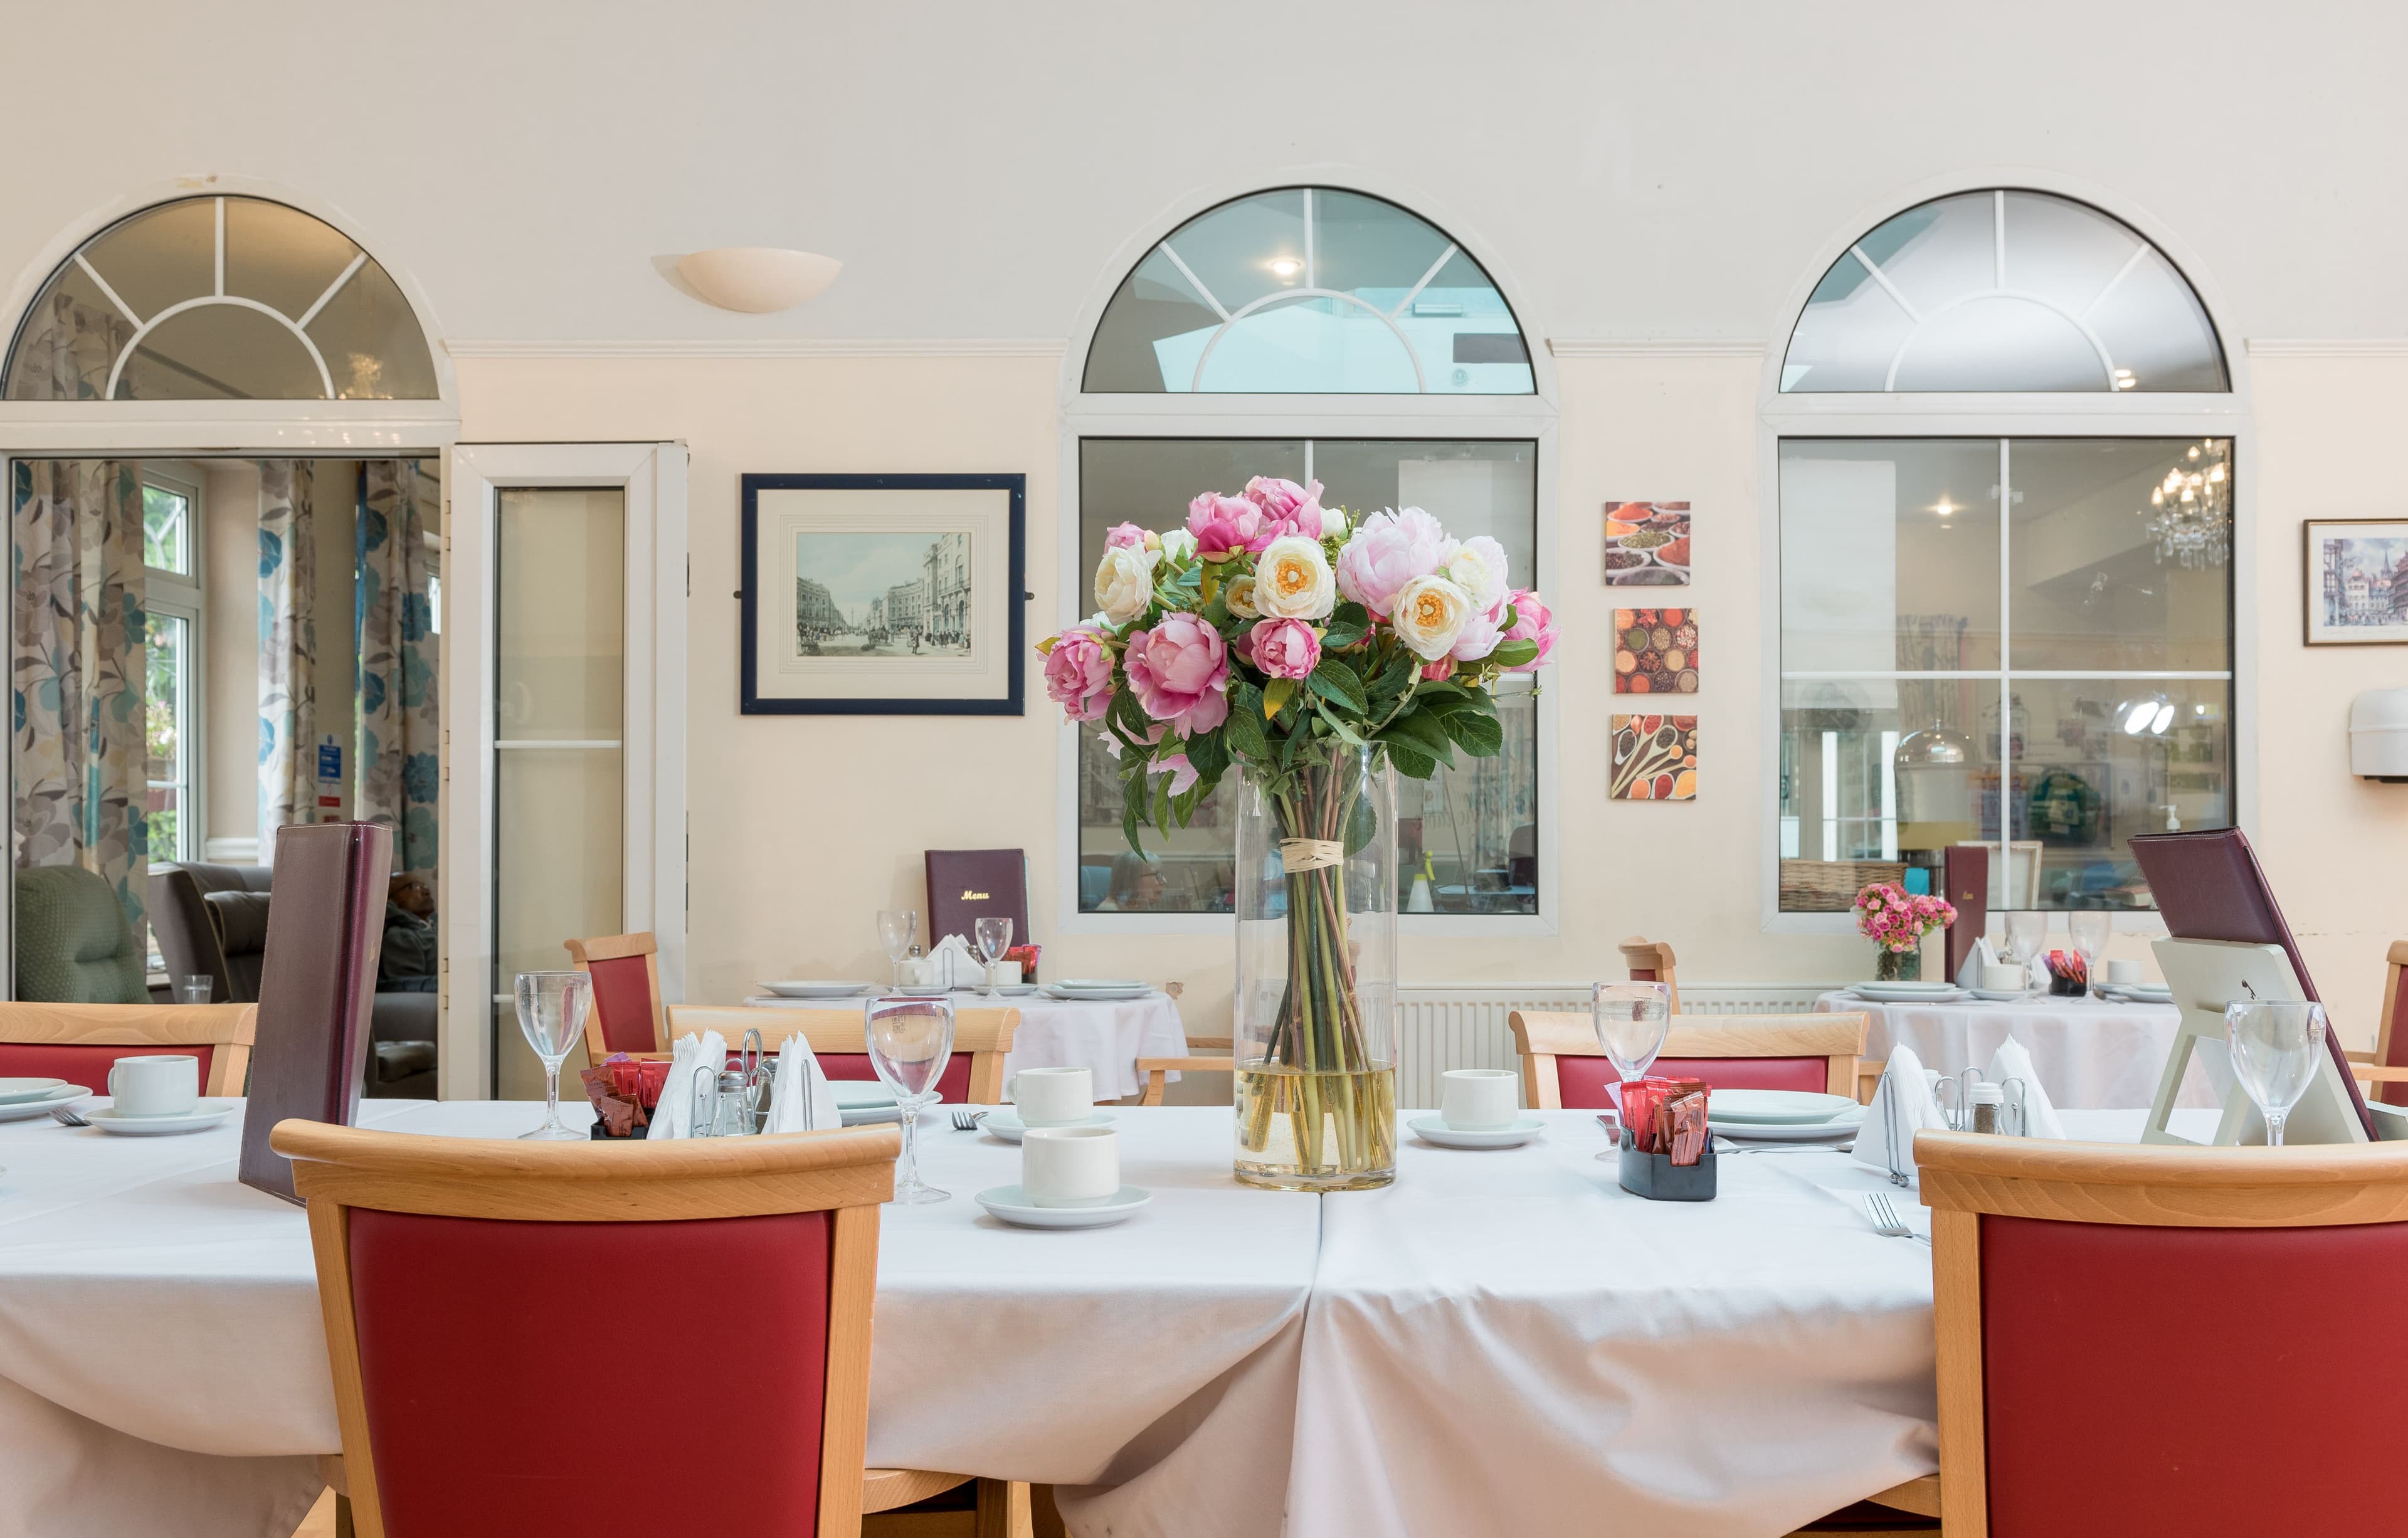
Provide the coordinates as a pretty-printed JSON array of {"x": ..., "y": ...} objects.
[{"x": 757, "y": 279}]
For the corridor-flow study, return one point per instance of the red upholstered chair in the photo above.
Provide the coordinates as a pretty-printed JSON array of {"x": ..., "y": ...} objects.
[
  {"x": 1563, "y": 1067},
  {"x": 79, "y": 1042},
  {"x": 1652, "y": 961},
  {"x": 2139, "y": 1339},
  {"x": 626, "y": 1013},
  {"x": 974, "y": 1076},
  {"x": 449, "y": 1267}
]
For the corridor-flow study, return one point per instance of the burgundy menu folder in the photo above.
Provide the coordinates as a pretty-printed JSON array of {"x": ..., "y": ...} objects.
[
  {"x": 1965, "y": 882},
  {"x": 326, "y": 931},
  {"x": 2209, "y": 887},
  {"x": 967, "y": 885}
]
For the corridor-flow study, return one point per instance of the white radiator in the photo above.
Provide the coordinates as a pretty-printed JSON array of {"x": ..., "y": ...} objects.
[{"x": 1462, "y": 1025}]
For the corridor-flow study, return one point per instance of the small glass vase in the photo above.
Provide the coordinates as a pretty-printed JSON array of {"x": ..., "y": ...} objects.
[
  {"x": 1315, "y": 1010},
  {"x": 1898, "y": 966}
]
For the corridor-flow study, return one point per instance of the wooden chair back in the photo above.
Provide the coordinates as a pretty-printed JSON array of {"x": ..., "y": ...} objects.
[
  {"x": 2100, "y": 1309},
  {"x": 625, "y": 1016},
  {"x": 80, "y": 1042},
  {"x": 446, "y": 1267},
  {"x": 1157, "y": 1069},
  {"x": 1563, "y": 1066},
  {"x": 982, "y": 1038},
  {"x": 2391, "y": 1044},
  {"x": 1652, "y": 961}
]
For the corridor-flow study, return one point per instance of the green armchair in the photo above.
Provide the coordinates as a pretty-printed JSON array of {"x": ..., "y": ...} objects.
[{"x": 73, "y": 943}]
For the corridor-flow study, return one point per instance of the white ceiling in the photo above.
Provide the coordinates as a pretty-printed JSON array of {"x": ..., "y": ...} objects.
[{"x": 1624, "y": 169}]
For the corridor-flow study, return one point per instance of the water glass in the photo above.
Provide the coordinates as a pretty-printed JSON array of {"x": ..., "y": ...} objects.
[
  {"x": 909, "y": 1042},
  {"x": 993, "y": 939},
  {"x": 897, "y": 927},
  {"x": 2025, "y": 933},
  {"x": 552, "y": 1011},
  {"x": 195, "y": 986},
  {"x": 1631, "y": 1022},
  {"x": 2090, "y": 929},
  {"x": 2275, "y": 1046}
]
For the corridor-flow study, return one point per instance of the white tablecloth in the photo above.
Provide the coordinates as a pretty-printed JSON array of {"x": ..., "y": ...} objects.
[
  {"x": 1107, "y": 1036},
  {"x": 152, "y": 1309},
  {"x": 2089, "y": 1053}
]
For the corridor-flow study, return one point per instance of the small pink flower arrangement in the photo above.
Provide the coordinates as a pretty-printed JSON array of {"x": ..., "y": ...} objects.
[{"x": 1896, "y": 920}]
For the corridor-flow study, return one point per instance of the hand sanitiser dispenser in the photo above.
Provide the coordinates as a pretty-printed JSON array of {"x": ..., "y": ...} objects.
[{"x": 2378, "y": 735}]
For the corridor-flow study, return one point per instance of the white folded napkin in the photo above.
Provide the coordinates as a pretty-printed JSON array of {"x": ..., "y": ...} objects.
[
  {"x": 674, "y": 1116},
  {"x": 1969, "y": 976},
  {"x": 1901, "y": 1106},
  {"x": 800, "y": 1100},
  {"x": 952, "y": 964},
  {"x": 2010, "y": 1061}
]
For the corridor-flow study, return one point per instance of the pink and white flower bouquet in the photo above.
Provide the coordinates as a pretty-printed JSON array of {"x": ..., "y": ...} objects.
[{"x": 1896, "y": 920}]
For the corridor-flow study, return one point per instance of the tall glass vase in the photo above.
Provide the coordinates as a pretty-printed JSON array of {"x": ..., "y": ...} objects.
[{"x": 1316, "y": 1026}]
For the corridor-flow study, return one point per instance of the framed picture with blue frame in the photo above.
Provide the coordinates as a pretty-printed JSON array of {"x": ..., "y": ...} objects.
[{"x": 883, "y": 595}]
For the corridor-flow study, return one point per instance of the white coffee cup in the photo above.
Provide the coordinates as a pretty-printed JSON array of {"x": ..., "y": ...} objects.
[
  {"x": 1070, "y": 1166},
  {"x": 2008, "y": 978},
  {"x": 2123, "y": 971},
  {"x": 166, "y": 1085},
  {"x": 1006, "y": 974},
  {"x": 1052, "y": 1097},
  {"x": 1479, "y": 1099}
]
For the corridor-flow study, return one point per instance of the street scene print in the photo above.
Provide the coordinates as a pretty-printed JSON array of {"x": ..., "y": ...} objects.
[
  {"x": 2357, "y": 582},
  {"x": 865, "y": 594}
]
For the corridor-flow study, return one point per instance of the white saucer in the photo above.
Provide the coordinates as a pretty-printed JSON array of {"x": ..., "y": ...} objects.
[
  {"x": 1012, "y": 1205},
  {"x": 1073, "y": 995},
  {"x": 65, "y": 1094},
  {"x": 1430, "y": 1129},
  {"x": 1835, "y": 1132},
  {"x": 1871, "y": 993},
  {"x": 208, "y": 1114},
  {"x": 1017, "y": 990},
  {"x": 1786, "y": 1107},
  {"x": 2002, "y": 995},
  {"x": 922, "y": 992},
  {"x": 817, "y": 990},
  {"x": 1007, "y": 1126},
  {"x": 18, "y": 1091}
]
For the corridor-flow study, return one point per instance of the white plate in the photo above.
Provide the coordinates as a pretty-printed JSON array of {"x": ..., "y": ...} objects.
[
  {"x": 1016, "y": 990},
  {"x": 1835, "y": 1132},
  {"x": 1783, "y": 1106},
  {"x": 922, "y": 993},
  {"x": 2003, "y": 996},
  {"x": 1074, "y": 995},
  {"x": 16, "y": 1092},
  {"x": 1878, "y": 993},
  {"x": 65, "y": 1094},
  {"x": 817, "y": 991},
  {"x": 1091, "y": 984},
  {"x": 2137, "y": 994},
  {"x": 852, "y": 1093},
  {"x": 208, "y": 1114},
  {"x": 1430, "y": 1129},
  {"x": 1007, "y": 1125},
  {"x": 1012, "y": 1205},
  {"x": 1903, "y": 987}
]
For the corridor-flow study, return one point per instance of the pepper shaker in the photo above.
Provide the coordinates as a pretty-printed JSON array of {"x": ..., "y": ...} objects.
[{"x": 1988, "y": 1098}]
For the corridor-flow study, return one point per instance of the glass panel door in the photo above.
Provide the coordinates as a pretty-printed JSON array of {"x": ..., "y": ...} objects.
[{"x": 559, "y": 800}]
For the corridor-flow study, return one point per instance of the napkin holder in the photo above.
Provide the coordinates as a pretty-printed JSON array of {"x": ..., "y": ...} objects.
[{"x": 1657, "y": 1179}]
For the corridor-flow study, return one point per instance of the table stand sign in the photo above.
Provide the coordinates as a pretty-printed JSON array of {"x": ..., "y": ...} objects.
[
  {"x": 2204, "y": 974},
  {"x": 317, "y": 986}
]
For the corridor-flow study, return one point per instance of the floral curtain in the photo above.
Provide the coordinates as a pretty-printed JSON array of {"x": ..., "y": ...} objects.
[
  {"x": 78, "y": 632},
  {"x": 399, "y": 732},
  {"x": 65, "y": 349},
  {"x": 288, "y": 651}
]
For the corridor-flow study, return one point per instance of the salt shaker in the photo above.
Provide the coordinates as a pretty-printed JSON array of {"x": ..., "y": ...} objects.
[{"x": 1988, "y": 1098}]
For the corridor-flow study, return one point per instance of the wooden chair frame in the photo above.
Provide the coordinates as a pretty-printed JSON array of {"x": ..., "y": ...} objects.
[
  {"x": 1965, "y": 1174},
  {"x": 1156, "y": 1068},
  {"x": 985, "y": 1034},
  {"x": 618, "y": 947},
  {"x": 1540, "y": 1038},
  {"x": 227, "y": 1028},
  {"x": 1640, "y": 954}
]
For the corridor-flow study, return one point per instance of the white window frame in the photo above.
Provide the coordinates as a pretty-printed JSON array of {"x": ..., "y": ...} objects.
[
  {"x": 652, "y": 477},
  {"x": 179, "y": 596},
  {"x": 1531, "y": 418},
  {"x": 2006, "y": 415}
]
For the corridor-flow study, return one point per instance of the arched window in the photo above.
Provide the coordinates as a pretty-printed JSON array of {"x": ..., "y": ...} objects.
[
  {"x": 2003, "y": 290},
  {"x": 2002, "y": 624},
  {"x": 220, "y": 299},
  {"x": 1309, "y": 290}
]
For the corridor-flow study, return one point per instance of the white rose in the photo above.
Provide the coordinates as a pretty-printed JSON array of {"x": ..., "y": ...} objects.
[
  {"x": 1178, "y": 545},
  {"x": 1239, "y": 596},
  {"x": 1478, "y": 567},
  {"x": 1333, "y": 524},
  {"x": 1431, "y": 612},
  {"x": 1124, "y": 582},
  {"x": 1293, "y": 579}
]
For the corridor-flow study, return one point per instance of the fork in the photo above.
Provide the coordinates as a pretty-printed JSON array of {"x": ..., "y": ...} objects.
[
  {"x": 66, "y": 1116},
  {"x": 966, "y": 1121},
  {"x": 1886, "y": 1219}
]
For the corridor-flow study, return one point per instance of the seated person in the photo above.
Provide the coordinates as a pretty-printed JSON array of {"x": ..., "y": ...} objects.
[
  {"x": 408, "y": 964},
  {"x": 1137, "y": 884}
]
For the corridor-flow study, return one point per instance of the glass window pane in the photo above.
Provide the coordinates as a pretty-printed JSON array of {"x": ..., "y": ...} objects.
[
  {"x": 2093, "y": 587},
  {"x": 161, "y": 256},
  {"x": 1889, "y": 554},
  {"x": 69, "y": 340},
  {"x": 1879, "y": 777},
  {"x": 166, "y": 529},
  {"x": 1155, "y": 302},
  {"x": 281, "y": 256},
  {"x": 2000, "y": 343},
  {"x": 167, "y": 691},
  {"x": 372, "y": 343},
  {"x": 1474, "y": 487},
  {"x": 2154, "y": 327},
  {"x": 2100, "y": 759},
  {"x": 1471, "y": 832},
  {"x": 220, "y": 353},
  {"x": 1312, "y": 345}
]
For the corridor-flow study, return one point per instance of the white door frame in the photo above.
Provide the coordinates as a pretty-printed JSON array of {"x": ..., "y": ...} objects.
[{"x": 652, "y": 477}]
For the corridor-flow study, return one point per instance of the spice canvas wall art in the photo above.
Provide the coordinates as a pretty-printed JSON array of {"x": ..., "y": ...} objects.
[
  {"x": 1654, "y": 652},
  {"x": 1655, "y": 758},
  {"x": 1647, "y": 544}
]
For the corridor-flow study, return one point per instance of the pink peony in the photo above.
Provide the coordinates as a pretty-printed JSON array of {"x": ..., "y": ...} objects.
[
  {"x": 1532, "y": 622},
  {"x": 1442, "y": 668},
  {"x": 1183, "y": 774},
  {"x": 1225, "y": 525},
  {"x": 1480, "y": 635},
  {"x": 1296, "y": 508},
  {"x": 1181, "y": 673},
  {"x": 1284, "y": 649},
  {"x": 1122, "y": 534},
  {"x": 1078, "y": 674},
  {"x": 1388, "y": 550}
]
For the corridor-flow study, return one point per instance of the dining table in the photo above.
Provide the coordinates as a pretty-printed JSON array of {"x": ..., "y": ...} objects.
[
  {"x": 2091, "y": 1053},
  {"x": 1106, "y": 1036},
  {"x": 1500, "y": 1341}
]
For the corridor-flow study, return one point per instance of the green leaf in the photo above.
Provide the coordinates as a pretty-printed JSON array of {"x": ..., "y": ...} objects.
[
  {"x": 1409, "y": 762},
  {"x": 1348, "y": 733},
  {"x": 1421, "y": 732},
  {"x": 1513, "y": 653},
  {"x": 1208, "y": 753},
  {"x": 1398, "y": 676},
  {"x": 1334, "y": 681},
  {"x": 1360, "y": 824},
  {"x": 1476, "y": 732},
  {"x": 1276, "y": 694},
  {"x": 1247, "y": 742}
]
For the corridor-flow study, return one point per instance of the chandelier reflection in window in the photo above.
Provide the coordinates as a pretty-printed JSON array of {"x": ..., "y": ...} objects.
[{"x": 2189, "y": 513}]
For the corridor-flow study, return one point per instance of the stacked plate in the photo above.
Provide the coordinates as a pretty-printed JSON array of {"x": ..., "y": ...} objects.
[
  {"x": 2136, "y": 992},
  {"x": 1100, "y": 988},
  {"x": 24, "y": 1098},
  {"x": 1783, "y": 1115},
  {"x": 817, "y": 990},
  {"x": 1908, "y": 992}
]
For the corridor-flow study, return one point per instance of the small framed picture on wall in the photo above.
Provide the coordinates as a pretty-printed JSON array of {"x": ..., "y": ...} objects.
[
  {"x": 883, "y": 595},
  {"x": 2356, "y": 573}
]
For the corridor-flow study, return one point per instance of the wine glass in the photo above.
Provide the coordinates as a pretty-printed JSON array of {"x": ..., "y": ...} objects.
[
  {"x": 993, "y": 939},
  {"x": 1631, "y": 1022},
  {"x": 2276, "y": 1044},
  {"x": 552, "y": 1011},
  {"x": 895, "y": 929},
  {"x": 2090, "y": 929},
  {"x": 909, "y": 1042},
  {"x": 2026, "y": 932}
]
